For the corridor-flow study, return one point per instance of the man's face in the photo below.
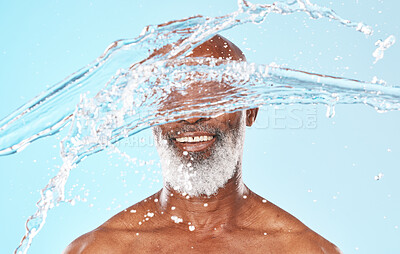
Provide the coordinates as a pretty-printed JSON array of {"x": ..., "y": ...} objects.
[{"x": 199, "y": 155}]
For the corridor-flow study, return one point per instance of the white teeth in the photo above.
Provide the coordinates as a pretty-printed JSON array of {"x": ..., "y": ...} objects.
[{"x": 194, "y": 139}]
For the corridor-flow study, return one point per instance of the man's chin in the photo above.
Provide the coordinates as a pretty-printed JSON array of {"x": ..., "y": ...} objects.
[
  {"x": 199, "y": 177},
  {"x": 201, "y": 172}
]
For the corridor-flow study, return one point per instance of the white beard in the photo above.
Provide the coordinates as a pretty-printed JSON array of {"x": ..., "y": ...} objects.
[{"x": 194, "y": 175}]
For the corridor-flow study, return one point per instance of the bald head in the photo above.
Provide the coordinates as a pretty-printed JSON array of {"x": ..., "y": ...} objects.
[
  {"x": 220, "y": 48},
  {"x": 199, "y": 90}
]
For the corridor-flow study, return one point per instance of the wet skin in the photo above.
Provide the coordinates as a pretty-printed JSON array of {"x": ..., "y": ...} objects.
[{"x": 234, "y": 220}]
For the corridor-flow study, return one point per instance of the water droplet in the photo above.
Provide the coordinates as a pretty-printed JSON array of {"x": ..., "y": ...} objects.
[
  {"x": 330, "y": 111},
  {"x": 378, "y": 177},
  {"x": 176, "y": 219}
]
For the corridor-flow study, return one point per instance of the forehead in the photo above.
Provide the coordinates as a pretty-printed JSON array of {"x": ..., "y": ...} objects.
[
  {"x": 218, "y": 47},
  {"x": 197, "y": 93}
]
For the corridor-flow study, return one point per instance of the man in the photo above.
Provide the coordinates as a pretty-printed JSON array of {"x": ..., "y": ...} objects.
[{"x": 204, "y": 206}]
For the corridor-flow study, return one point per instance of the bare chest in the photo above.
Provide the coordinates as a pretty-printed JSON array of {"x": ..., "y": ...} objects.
[{"x": 173, "y": 242}]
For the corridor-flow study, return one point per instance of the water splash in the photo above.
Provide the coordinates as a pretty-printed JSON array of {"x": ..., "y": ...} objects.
[
  {"x": 132, "y": 81},
  {"x": 376, "y": 80},
  {"x": 170, "y": 40},
  {"x": 382, "y": 46}
]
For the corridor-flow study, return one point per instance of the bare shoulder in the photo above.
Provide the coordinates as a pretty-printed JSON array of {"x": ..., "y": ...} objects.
[
  {"x": 92, "y": 242},
  {"x": 288, "y": 232},
  {"x": 114, "y": 236},
  {"x": 310, "y": 242}
]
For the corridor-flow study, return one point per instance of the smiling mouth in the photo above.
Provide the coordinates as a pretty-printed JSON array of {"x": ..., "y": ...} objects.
[{"x": 194, "y": 141}]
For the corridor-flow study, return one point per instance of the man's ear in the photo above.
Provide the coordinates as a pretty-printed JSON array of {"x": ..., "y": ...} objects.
[{"x": 251, "y": 115}]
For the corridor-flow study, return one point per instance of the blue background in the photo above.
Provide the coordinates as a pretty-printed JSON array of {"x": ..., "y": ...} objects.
[{"x": 322, "y": 173}]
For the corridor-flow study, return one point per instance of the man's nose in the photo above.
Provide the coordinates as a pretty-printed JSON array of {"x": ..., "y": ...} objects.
[{"x": 195, "y": 120}]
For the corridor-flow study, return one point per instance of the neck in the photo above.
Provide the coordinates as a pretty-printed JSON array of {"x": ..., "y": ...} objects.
[{"x": 206, "y": 213}]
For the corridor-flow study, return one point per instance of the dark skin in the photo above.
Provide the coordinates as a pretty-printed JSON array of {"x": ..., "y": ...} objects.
[{"x": 234, "y": 220}]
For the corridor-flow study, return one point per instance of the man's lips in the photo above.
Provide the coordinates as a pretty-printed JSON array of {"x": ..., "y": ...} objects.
[{"x": 194, "y": 141}]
